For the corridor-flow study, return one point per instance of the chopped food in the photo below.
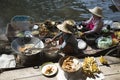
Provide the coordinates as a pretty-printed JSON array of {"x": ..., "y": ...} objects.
[
  {"x": 115, "y": 41},
  {"x": 117, "y": 34},
  {"x": 90, "y": 66},
  {"x": 103, "y": 60},
  {"x": 25, "y": 47},
  {"x": 43, "y": 31},
  {"x": 70, "y": 64},
  {"x": 49, "y": 70}
]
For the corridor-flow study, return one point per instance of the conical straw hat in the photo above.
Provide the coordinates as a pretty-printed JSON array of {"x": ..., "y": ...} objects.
[
  {"x": 97, "y": 11},
  {"x": 67, "y": 26}
]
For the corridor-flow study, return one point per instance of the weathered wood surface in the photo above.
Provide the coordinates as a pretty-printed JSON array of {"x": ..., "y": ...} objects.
[
  {"x": 111, "y": 72},
  {"x": 24, "y": 74},
  {"x": 113, "y": 77}
]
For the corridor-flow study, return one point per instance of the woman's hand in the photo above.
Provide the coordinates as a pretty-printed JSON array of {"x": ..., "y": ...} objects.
[
  {"x": 79, "y": 27},
  {"x": 48, "y": 40},
  {"x": 53, "y": 48},
  {"x": 81, "y": 34}
]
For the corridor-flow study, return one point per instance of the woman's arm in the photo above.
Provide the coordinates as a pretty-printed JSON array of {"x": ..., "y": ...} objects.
[
  {"x": 97, "y": 27},
  {"x": 57, "y": 36},
  {"x": 88, "y": 21}
]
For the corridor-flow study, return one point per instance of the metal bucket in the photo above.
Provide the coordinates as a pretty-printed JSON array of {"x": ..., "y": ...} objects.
[
  {"x": 51, "y": 53},
  {"x": 90, "y": 39}
]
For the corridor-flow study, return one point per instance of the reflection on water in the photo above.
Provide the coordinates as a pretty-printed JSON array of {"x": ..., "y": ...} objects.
[{"x": 42, "y": 10}]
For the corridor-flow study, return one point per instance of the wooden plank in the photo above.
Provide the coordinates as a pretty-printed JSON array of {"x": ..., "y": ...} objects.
[
  {"x": 106, "y": 71},
  {"x": 35, "y": 74},
  {"x": 37, "y": 77},
  {"x": 111, "y": 72},
  {"x": 113, "y": 77},
  {"x": 110, "y": 59},
  {"x": 111, "y": 69},
  {"x": 24, "y": 74},
  {"x": 27, "y": 72}
]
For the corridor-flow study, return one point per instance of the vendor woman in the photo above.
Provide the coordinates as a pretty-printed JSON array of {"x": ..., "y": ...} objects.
[
  {"x": 95, "y": 23},
  {"x": 68, "y": 42}
]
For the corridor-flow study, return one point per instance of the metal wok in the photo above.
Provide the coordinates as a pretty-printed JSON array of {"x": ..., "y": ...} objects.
[{"x": 23, "y": 41}]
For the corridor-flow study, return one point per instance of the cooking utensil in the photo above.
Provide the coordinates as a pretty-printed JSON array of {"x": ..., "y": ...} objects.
[
  {"x": 21, "y": 42},
  {"x": 70, "y": 62}
]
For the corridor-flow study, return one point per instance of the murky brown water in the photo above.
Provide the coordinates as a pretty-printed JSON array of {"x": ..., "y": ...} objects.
[{"x": 42, "y": 10}]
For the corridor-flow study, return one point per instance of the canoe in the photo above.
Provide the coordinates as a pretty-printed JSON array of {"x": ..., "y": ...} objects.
[
  {"x": 117, "y": 4},
  {"x": 18, "y": 23},
  {"x": 22, "y": 22},
  {"x": 21, "y": 18}
]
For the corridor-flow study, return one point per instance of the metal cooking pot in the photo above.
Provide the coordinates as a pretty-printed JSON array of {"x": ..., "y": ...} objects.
[
  {"x": 22, "y": 41},
  {"x": 90, "y": 39},
  {"x": 51, "y": 53}
]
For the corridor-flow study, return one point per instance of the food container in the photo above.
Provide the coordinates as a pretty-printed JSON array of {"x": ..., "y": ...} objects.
[
  {"x": 115, "y": 26},
  {"x": 82, "y": 44},
  {"x": 104, "y": 42},
  {"x": 71, "y": 67},
  {"x": 90, "y": 39},
  {"x": 69, "y": 62},
  {"x": 51, "y": 53},
  {"x": 22, "y": 22},
  {"x": 20, "y": 45}
]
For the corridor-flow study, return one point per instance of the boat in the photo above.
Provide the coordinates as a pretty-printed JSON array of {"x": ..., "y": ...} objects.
[
  {"x": 117, "y": 4},
  {"x": 94, "y": 49},
  {"x": 20, "y": 19},
  {"x": 18, "y": 23},
  {"x": 88, "y": 51}
]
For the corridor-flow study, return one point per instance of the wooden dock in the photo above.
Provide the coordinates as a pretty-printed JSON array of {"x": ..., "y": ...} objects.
[{"x": 110, "y": 73}]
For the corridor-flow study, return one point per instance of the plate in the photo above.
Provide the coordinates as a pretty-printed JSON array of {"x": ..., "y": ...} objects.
[{"x": 49, "y": 70}]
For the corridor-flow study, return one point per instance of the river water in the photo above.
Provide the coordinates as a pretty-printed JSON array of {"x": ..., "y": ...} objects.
[{"x": 57, "y": 10}]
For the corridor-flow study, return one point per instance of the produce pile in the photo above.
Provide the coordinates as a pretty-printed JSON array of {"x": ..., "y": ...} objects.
[{"x": 89, "y": 66}]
